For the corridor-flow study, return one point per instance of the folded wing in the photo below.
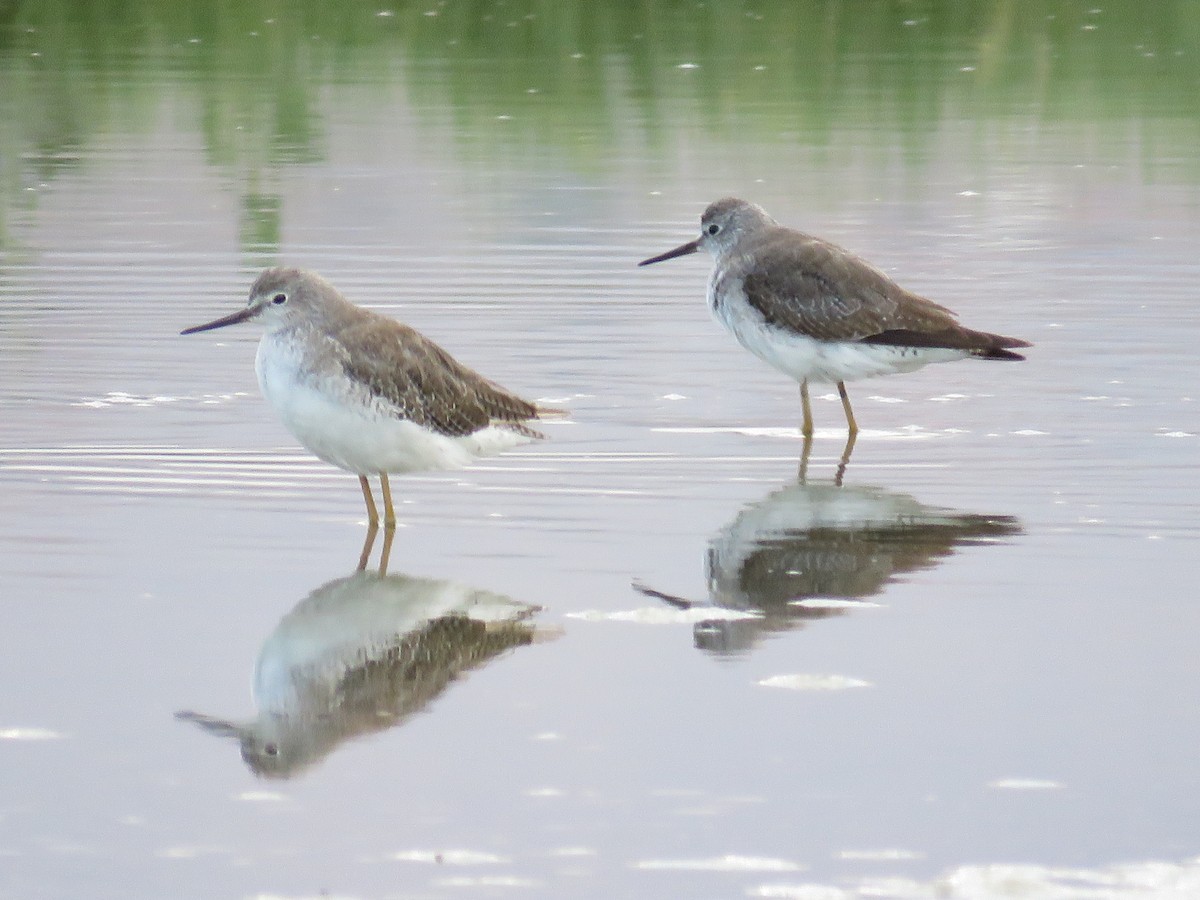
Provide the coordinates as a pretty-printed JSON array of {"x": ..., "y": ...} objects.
[{"x": 818, "y": 289}]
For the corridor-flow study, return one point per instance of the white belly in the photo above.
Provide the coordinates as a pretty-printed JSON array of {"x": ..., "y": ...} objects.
[
  {"x": 803, "y": 357},
  {"x": 342, "y": 427}
]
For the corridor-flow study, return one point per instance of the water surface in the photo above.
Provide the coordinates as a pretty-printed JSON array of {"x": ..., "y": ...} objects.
[{"x": 639, "y": 659}]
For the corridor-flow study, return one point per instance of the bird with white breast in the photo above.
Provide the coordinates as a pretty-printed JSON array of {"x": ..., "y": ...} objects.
[
  {"x": 819, "y": 313},
  {"x": 369, "y": 394}
]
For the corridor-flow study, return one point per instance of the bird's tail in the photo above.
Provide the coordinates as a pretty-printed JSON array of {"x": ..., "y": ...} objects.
[
  {"x": 550, "y": 412},
  {"x": 998, "y": 353},
  {"x": 980, "y": 344},
  {"x": 540, "y": 413},
  {"x": 997, "y": 345}
]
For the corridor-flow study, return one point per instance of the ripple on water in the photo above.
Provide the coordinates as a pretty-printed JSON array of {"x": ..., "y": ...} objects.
[{"x": 142, "y": 469}]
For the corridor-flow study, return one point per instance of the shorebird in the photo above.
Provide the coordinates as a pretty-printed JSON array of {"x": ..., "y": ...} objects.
[
  {"x": 369, "y": 394},
  {"x": 819, "y": 313}
]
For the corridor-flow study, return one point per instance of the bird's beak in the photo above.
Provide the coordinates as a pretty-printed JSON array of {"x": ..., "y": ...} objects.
[
  {"x": 241, "y": 315},
  {"x": 210, "y": 724},
  {"x": 682, "y": 250}
]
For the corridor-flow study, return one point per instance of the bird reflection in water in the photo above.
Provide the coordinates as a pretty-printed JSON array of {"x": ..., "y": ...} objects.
[
  {"x": 362, "y": 654},
  {"x": 809, "y": 551}
]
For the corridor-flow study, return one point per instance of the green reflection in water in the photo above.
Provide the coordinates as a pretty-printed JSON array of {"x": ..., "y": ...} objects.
[
  {"x": 581, "y": 78},
  {"x": 261, "y": 222}
]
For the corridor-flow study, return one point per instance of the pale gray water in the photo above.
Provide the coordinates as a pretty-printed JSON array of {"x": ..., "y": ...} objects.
[{"x": 1014, "y": 547}]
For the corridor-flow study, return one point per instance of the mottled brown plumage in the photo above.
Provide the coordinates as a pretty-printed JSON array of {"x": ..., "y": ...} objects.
[
  {"x": 809, "y": 286},
  {"x": 425, "y": 384}
]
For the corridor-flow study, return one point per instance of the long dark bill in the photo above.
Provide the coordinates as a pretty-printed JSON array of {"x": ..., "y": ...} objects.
[
  {"x": 682, "y": 250},
  {"x": 232, "y": 319}
]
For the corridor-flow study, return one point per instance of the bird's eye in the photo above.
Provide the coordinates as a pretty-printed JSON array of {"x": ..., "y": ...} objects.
[
  {"x": 713, "y": 228},
  {"x": 279, "y": 299},
  {"x": 271, "y": 749}
]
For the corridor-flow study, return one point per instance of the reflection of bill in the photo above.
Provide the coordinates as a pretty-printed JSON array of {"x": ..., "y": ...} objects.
[
  {"x": 810, "y": 551},
  {"x": 362, "y": 654}
]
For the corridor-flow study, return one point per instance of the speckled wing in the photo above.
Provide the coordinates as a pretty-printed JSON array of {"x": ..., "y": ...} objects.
[
  {"x": 802, "y": 284},
  {"x": 421, "y": 382}
]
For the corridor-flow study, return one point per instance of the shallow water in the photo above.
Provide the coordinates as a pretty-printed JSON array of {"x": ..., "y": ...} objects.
[{"x": 638, "y": 659}]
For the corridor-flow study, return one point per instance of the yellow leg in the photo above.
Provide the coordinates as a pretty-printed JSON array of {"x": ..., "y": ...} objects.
[
  {"x": 389, "y": 511},
  {"x": 388, "y": 535},
  {"x": 846, "y": 406},
  {"x": 372, "y": 529},
  {"x": 804, "y": 454},
  {"x": 807, "y": 430},
  {"x": 372, "y": 512},
  {"x": 845, "y": 461}
]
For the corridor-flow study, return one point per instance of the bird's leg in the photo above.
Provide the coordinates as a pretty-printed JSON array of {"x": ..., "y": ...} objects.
[
  {"x": 845, "y": 461},
  {"x": 372, "y": 512},
  {"x": 849, "y": 412},
  {"x": 807, "y": 430},
  {"x": 389, "y": 511},
  {"x": 804, "y": 454},
  {"x": 388, "y": 535},
  {"x": 372, "y": 529}
]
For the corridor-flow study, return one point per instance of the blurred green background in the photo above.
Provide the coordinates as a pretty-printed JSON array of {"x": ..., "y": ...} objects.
[{"x": 582, "y": 77}]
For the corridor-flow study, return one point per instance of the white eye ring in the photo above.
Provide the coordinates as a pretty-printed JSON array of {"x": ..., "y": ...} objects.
[
  {"x": 279, "y": 299},
  {"x": 713, "y": 228}
]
